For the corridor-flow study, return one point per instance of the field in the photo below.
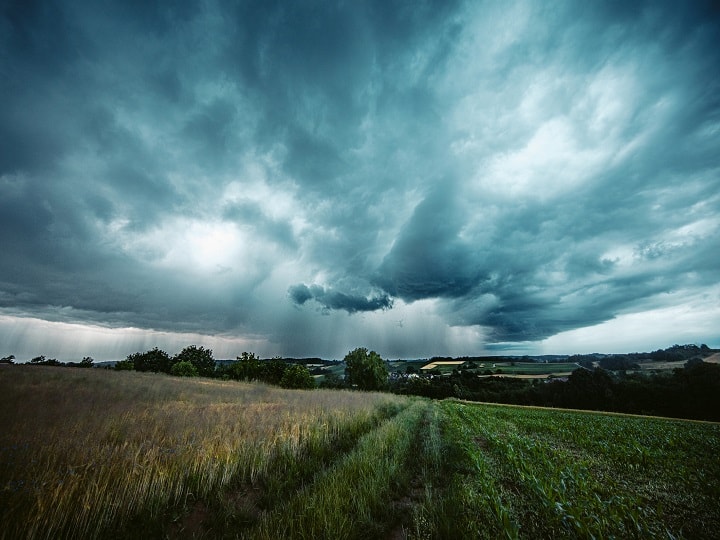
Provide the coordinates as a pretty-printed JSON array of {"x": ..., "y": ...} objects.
[
  {"x": 533, "y": 370},
  {"x": 669, "y": 366},
  {"x": 97, "y": 454}
]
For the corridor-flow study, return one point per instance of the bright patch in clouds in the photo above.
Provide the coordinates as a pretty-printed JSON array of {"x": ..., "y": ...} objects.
[
  {"x": 188, "y": 245},
  {"x": 550, "y": 164},
  {"x": 610, "y": 99},
  {"x": 209, "y": 246}
]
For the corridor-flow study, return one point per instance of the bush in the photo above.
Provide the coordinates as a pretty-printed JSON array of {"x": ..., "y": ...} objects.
[
  {"x": 331, "y": 380},
  {"x": 184, "y": 369},
  {"x": 124, "y": 365},
  {"x": 245, "y": 368},
  {"x": 155, "y": 360},
  {"x": 297, "y": 376},
  {"x": 200, "y": 357},
  {"x": 273, "y": 371}
]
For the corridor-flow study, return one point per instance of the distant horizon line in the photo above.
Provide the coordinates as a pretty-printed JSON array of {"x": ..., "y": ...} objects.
[{"x": 702, "y": 346}]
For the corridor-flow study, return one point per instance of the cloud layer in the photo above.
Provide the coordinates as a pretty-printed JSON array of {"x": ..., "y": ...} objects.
[{"x": 435, "y": 177}]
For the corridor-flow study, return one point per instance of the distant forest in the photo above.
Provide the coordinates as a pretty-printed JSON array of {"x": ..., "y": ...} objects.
[
  {"x": 602, "y": 383},
  {"x": 676, "y": 353}
]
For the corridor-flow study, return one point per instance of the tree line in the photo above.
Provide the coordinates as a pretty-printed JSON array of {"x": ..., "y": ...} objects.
[
  {"x": 689, "y": 392},
  {"x": 364, "y": 370},
  {"x": 194, "y": 361},
  {"x": 86, "y": 362}
]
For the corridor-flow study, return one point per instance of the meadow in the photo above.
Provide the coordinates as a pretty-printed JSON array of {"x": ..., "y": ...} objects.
[{"x": 100, "y": 454}]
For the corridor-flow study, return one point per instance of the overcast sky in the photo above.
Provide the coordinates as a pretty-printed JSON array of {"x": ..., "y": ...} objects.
[{"x": 303, "y": 178}]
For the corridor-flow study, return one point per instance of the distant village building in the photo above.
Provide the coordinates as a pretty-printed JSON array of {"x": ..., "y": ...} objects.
[{"x": 454, "y": 364}]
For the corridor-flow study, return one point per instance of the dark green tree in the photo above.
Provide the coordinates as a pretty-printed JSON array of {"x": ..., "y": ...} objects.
[
  {"x": 590, "y": 389},
  {"x": 155, "y": 360},
  {"x": 272, "y": 371},
  {"x": 184, "y": 369},
  {"x": 366, "y": 370},
  {"x": 246, "y": 368},
  {"x": 297, "y": 376},
  {"x": 42, "y": 361},
  {"x": 7, "y": 359},
  {"x": 124, "y": 365},
  {"x": 200, "y": 357}
]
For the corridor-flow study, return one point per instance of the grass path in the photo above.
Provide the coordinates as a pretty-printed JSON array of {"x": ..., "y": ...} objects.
[{"x": 353, "y": 498}]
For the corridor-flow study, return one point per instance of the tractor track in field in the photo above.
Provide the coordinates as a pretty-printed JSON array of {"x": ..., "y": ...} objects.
[{"x": 243, "y": 505}]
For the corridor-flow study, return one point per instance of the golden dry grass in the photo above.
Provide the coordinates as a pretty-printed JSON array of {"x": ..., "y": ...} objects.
[{"x": 82, "y": 449}]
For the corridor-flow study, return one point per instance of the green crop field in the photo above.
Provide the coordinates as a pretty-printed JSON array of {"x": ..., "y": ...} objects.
[
  {"x": 535, "y": 368},
  {"x": 99, "y": 454},
  {"x": 529, "y": 369}
]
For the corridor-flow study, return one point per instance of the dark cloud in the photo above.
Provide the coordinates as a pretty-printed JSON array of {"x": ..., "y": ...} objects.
[
  {"x": 335, "y": 300},
  {"x": 211, "y": 130},
  {"x": 428, "y": 258}
]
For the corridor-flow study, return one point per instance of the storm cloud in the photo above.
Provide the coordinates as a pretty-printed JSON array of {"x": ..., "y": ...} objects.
[
  {"x": 303, "y": 178},
  {"x": 330, "y": 299}
]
